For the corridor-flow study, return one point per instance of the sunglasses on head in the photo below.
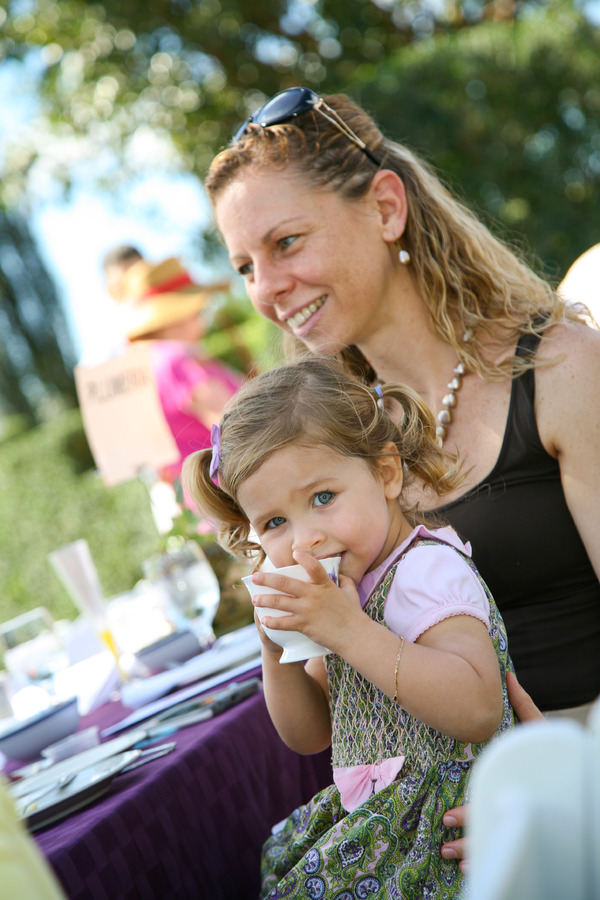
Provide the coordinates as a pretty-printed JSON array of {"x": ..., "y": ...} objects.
[{"x": 293, "y": 102}]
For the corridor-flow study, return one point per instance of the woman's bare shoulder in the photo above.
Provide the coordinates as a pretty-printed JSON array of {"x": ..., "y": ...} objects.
[
  {"x": 567, "y": 333},
  {"x": 571, "y": 347},
  {"x": 568, "y": 390}
]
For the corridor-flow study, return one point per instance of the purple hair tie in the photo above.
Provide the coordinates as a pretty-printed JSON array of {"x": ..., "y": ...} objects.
[{"x": 215, "y": 439}]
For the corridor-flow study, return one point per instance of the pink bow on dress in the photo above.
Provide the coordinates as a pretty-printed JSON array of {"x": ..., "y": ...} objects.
[{"x": 357, "y": 783}]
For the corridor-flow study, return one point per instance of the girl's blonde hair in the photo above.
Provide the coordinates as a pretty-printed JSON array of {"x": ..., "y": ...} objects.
[
  {"x": 469, "y": 279},
  {"x": 314, "y": 401}
]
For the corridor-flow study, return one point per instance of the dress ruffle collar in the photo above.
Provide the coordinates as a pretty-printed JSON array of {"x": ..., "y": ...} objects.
[{"x": 447, "y": 534}]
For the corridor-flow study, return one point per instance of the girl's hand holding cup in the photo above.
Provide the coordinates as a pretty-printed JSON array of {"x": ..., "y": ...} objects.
[{"x": 310, "y": 599}]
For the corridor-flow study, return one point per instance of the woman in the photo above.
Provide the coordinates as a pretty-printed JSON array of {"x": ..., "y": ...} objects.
[{"x": 352, "y": 245}]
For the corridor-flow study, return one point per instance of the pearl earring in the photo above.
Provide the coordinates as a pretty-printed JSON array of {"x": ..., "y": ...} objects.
[{"x": 404, "y": 257}]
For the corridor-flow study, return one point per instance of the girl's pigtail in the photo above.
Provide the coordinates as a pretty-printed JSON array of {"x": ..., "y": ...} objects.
[
  {"x": 217, "y": 506},
  {"x": 418, "y": 444}
]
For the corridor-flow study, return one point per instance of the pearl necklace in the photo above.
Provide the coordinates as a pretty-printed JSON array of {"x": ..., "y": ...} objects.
[{"x": 444, "y": 417}]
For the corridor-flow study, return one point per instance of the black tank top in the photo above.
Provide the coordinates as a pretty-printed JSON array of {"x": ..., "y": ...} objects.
[{"x": 527, "y": 548}]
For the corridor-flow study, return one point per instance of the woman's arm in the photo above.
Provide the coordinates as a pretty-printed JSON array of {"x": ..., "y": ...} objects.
[
  {"x": 526, "y": 711},
  {"x": 568, "y": 418},
  {"x": 524, "y": 707}
]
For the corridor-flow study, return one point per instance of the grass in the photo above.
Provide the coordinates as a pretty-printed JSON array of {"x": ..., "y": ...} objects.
[{"x": 52, "y": 496}]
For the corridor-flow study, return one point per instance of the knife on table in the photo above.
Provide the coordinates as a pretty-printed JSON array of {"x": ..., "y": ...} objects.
[{"x": 193, "y": 711}]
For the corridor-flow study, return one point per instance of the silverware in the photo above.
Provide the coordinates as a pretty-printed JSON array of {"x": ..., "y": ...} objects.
[
  {"x": 57, "y": 785},
  {"x": 190, "y": 712},
  {"x": 149, "y": 755},
  {"x": 159, "y": 728}
]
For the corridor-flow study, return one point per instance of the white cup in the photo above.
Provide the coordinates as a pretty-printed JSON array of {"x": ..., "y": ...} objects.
[{"x": 296, "y": 646}]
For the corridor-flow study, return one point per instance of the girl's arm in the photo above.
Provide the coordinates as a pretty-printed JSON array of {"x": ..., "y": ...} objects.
[
  {"x": 297, "y": 699},
  {"x": 449, "y": 679}
]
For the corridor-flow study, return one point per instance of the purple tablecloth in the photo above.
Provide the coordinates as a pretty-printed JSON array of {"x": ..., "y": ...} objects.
[{"x": 189, "y": 825}]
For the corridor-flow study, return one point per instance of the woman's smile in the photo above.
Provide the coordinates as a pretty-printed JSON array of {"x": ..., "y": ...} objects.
[{"x": 303, "y": 315}]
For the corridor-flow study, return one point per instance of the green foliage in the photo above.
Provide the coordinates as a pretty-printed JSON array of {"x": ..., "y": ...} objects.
[
  {"x": 36, "y": 372},
  {"x": 47, "y": 503},
  {"x": 510, "y": 114},
  {"x": 503, "y": 98},
  {"x": 507, "y": 110},
  {"x": 189, "y": 70},
  {"x": 242, "y": 338}
]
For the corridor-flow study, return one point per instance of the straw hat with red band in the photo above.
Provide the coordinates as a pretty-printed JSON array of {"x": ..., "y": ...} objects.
[{"x": 156, "y": 295}]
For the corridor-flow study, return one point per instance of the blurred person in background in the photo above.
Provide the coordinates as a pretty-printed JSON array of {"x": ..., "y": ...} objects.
[
  {"x": 115, "y": 264},
  {"x": 162, "y": 306}
]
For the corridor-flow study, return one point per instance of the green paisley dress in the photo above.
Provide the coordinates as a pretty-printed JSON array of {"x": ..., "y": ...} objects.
[{"x": 389, "y": 847}]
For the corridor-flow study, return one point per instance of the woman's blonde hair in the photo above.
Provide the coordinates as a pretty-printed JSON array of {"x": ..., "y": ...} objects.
[
  {"x": 470, "y": 280},
  {"x": 313, "y": 402}
]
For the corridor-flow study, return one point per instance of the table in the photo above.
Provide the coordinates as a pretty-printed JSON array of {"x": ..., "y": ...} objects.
[{"x": 189, "y": 825}]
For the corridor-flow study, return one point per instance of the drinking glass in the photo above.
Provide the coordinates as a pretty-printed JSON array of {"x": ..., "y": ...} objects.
[
  {"x": 33, "y": 651},
  {"x": 75, "y": 567},
  {"x": 191, "y": 586}
]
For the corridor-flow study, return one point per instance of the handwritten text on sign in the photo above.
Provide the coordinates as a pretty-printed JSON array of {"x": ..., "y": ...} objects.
[{"x": 123, "y": 419}]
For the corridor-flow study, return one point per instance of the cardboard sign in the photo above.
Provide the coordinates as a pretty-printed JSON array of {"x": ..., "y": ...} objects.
[{"x": 122, "y": 416}]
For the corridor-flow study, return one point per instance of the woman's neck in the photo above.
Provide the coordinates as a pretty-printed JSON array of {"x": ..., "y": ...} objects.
[{"x": 406, "y": 349}]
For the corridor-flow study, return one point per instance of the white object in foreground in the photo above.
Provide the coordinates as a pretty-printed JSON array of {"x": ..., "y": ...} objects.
[
  {"x": 534, "y": 826},
  {"x": 296, "y": 646}
]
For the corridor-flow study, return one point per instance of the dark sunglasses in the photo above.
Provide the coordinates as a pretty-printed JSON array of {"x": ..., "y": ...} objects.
[{"x": 293, "y": 102}]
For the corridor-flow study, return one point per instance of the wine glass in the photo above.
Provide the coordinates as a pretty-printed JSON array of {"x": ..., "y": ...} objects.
[
  {"x": 191, "y": 586},
  {"x": 34, "y": 652}
]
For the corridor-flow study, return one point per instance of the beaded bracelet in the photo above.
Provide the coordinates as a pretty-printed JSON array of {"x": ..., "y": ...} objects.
[{"x": 400, "y": 648}]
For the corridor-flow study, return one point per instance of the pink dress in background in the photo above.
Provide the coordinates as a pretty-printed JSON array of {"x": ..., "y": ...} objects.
[{"x": 180, "y": 368}]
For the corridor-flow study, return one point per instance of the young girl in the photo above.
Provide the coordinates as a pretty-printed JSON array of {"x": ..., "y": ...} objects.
[{"x": 308, "y": 461}]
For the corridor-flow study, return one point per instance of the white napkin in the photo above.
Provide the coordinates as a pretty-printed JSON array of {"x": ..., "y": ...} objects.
[{"x": 92, "y": 681}]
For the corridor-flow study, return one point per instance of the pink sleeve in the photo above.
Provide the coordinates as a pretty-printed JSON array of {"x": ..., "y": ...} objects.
[
  {"x": 187, "y": 372},
  {"x": 431, "y": 584},
  {"x": 179, "y": 371}
]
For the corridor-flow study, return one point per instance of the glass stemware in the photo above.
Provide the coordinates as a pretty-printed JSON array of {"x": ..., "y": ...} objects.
[{"x": 191, "y": 586}]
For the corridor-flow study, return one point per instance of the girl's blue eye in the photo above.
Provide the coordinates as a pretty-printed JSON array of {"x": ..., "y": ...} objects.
[
  {"x": 275, "y": 522},
  {"x": 323, "y": 498},
  {"x": 287, "y": 241}
]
